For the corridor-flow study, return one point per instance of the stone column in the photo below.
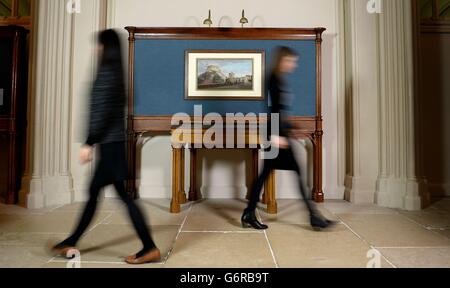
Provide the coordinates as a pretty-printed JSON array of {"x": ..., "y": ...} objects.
[
  {"x": 361, "y": 102},
  {"x": 397, "y": 185},
  {"x": 49, "y": 181}
]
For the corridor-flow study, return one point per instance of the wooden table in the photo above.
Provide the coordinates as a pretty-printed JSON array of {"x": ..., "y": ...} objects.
[{"x": 194, "y": 140}]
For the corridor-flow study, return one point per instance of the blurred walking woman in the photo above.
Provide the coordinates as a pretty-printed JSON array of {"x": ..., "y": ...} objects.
[
  {"x": 107, "y": 130},
  {"x": 286, "y": 61}
]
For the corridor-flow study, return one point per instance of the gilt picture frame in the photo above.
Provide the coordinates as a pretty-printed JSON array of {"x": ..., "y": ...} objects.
[{"x": 225, "y": 75}]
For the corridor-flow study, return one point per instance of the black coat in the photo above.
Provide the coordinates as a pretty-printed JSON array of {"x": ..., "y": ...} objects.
[
  {"x": 280, "y": 98},
  {"x": 107, "y": 107},
  {"x": 107, "y": 124}
]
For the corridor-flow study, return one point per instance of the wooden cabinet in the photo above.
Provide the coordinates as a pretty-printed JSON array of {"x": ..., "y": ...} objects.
[
  {"x": 151, "y": 117},
  {"x": 13, "y": 109}
]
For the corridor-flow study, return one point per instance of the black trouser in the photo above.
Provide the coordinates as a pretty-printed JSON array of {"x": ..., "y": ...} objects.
[
  {"x": 285, "y": 161},
  {"x": 135, "y": 214}
]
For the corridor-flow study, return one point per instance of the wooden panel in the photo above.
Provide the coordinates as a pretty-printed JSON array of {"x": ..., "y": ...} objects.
[
  {"x": 224, "y": 33},
  {"x": 152, "y": 124},
  {"x": 163, "y": 123},
  {"x": 4, "y": 124},
  {"x": 440, "y": 27}
]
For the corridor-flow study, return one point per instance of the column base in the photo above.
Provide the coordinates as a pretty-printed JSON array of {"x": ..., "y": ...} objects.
[
  {"x": 417, "y": 196},
  {"x": 390, "y": 192},
  {"x": 45, "y": 192},
  {"x": 31, "y": 195},
  {"x": 400, "y": 193},
  {"x": 359, "y": 190},
  {"x": 24, "y": 190}
]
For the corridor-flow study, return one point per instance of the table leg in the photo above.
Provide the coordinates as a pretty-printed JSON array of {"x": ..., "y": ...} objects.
[
  {"x": 182, "y": 190},
  {"x": 272, "y": 207},
  {"x": 193, "y": 193},
  {"x": 175, "y": 204},
  {"x": 131, "y": 159},
  {"x": 317, "y": 193},
  {"x": 255, "y": 171},
  {"x": 264, "y": 198}
]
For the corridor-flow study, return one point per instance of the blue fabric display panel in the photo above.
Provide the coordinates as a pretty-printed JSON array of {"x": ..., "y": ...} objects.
[{"x": 160, "y": 77}]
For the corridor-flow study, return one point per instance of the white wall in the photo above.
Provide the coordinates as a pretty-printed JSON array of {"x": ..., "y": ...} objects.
[{"x": 227, "y": 170}]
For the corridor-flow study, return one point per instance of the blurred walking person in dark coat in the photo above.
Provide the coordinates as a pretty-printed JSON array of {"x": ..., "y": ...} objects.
[
  {"x": 286, "y": 61},
  {"x": 107, "y": 130}
]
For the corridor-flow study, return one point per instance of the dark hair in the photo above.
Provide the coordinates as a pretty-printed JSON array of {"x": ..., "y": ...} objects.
[
  {"x": 111, "y": 58},
  {"x": 112, "y": 52},
  {"x": 280, "y": 53}
]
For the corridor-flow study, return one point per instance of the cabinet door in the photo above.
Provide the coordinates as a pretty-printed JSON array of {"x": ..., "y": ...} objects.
[
  {"x": 13, "y": 88},
  {"x": 6, "y": 55},
  {"x": 4, "y": 169}
]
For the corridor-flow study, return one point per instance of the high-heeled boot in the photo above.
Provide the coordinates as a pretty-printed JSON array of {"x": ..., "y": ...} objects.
[{"x": 249, "y": 220}]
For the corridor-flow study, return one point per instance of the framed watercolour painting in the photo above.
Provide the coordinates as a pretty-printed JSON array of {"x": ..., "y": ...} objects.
[{"x": 225, "y": 75}]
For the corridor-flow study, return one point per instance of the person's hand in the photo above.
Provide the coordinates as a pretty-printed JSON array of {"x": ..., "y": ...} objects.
[
  {"x": 85, "y": 154},
  {"x": 280, "y": 142}
]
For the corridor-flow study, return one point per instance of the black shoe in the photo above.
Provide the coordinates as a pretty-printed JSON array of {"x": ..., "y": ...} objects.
[
  {"x": 320, "y": 222},
  {"x": 249, "y": 221}
]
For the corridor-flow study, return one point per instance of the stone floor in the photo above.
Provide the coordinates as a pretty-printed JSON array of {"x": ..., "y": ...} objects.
[{"x": 208, "y": 234}]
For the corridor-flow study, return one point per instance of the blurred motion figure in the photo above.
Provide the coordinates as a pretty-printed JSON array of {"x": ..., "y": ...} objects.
[
  {"x": 107, "y": 130},
  {"x": 285, "y": 61}
]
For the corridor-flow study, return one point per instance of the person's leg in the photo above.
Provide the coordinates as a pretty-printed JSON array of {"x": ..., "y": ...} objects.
[
  {"x": 249, "y": 217},
  {"x": 258, "y": 185},
  {"x": 309, "y": 204},
  {"x": 88, "y": 213},
  {"x": 137, "y": 219},
  {"x": 317, "y": 220}
]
